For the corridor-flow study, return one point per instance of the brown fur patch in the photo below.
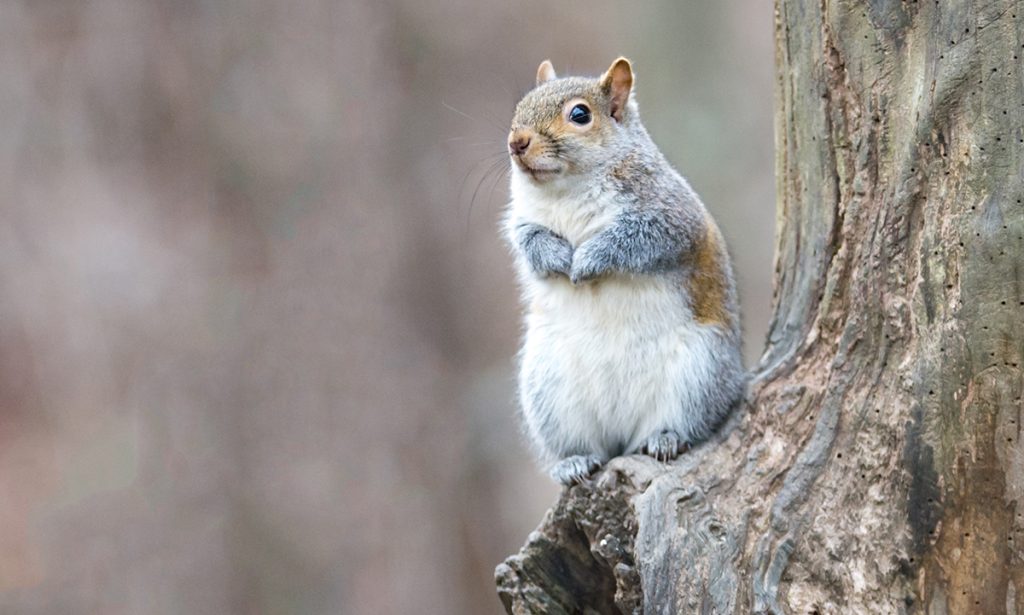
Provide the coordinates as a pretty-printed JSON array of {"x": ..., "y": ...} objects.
[{"x": 707, "y": 280}]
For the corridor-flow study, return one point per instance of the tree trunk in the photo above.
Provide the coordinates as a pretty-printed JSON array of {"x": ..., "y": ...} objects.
[{"x": 877, "y": 466}]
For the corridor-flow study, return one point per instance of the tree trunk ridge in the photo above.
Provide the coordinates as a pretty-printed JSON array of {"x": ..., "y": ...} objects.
[{"x": 876, "y": 466}]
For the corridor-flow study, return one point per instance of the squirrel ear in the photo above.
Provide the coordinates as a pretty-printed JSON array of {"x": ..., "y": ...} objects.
[
  {"x": 545, "y": 72},
  {"x": 617, "y": 81}
]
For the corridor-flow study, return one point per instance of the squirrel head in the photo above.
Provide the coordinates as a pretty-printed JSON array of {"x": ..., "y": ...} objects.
[{"x": 573, "y": 126}]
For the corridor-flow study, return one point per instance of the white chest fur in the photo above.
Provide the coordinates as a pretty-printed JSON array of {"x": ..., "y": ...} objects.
[
  {"x": 573, "y": 214},
  {"x": 604, "y": 364},
  {"x": 607, "y": 364}
]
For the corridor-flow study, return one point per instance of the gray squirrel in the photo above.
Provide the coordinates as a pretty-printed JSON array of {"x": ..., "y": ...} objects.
[{"x": 632, "y": 341}]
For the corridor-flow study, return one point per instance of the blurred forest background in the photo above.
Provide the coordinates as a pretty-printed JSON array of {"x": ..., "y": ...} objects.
[{"x": 257, "y": 326}]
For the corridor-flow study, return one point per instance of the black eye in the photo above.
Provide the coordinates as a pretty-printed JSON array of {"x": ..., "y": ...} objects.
[{"x": 580, "y": 114}]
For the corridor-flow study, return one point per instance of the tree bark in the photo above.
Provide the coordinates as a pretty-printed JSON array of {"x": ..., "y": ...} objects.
[{"x": 877, "y": 465}]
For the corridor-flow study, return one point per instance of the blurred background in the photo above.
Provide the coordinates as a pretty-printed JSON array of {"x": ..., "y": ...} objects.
[{"x": 257, "y": 324}]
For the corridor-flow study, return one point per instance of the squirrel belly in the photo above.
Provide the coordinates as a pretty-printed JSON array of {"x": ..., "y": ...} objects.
[{"x": 605, "y": 366}]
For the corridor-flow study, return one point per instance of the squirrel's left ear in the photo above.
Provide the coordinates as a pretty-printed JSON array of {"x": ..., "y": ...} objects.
[
  {"x": 617, "y": 81},
  {"x": 545, "y": 72}
]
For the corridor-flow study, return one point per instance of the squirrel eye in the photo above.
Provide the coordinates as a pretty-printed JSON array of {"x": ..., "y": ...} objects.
[{"x": 580, "y": 114}]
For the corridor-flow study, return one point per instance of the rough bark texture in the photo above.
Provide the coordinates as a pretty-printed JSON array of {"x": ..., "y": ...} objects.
[{"x": 877, "y": 467}]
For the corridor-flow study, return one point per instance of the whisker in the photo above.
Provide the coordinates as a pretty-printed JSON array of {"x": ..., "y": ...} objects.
[
  {"x": 489, "y": 123},
  {"x": 492, "y": 171},
  {"x": 504, "y": 174},
  {"x": 488, "y": 164},
  {"x": 462, "y": 113},
  {"x": 489, "y": 142},
  {"x": 488, "y": 160}
]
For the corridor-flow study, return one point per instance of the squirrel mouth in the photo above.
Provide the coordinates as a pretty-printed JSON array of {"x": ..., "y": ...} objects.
[{"x": 537, "y": 173}]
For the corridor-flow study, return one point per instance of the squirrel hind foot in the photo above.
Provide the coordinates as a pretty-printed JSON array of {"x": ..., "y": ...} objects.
[
  {"x": 664, "y": 445},
  {"x": 576, "y": 469}
]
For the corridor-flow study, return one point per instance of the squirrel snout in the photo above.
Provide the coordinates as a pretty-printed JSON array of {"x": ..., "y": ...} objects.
[{"x": 518, "y": 142}]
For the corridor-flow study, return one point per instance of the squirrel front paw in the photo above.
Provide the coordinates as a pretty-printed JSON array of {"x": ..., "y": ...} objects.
[
  {"x": 587, "y": 264},
  {"x": 575, "y": 469},
  {"x": 555, "y": 259},
  {"x": 548, "y": 254},
  {"x": 664, "y": 445}
]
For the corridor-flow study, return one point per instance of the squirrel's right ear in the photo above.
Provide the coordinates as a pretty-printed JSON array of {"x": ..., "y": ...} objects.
[
  {"x": 617, "y": 82},
  {"x": 545, "y": 72}
]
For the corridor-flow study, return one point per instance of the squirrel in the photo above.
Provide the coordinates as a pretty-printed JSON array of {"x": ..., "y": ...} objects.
[{"x": 632, "y": 336}]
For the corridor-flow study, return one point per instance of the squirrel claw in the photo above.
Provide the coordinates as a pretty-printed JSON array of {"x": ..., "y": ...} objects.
[
  {"x": 576, "y": 469},
  {"x": 664, "y": 446}
]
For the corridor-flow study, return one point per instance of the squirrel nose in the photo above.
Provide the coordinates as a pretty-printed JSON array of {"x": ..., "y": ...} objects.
[{"x": 518, "y": 144}]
